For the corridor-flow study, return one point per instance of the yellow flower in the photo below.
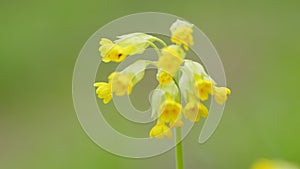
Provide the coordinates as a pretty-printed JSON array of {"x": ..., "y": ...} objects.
[
  {"x": 112, "y": 52},
  {"x": 220, "y": 94},
  {"x": 160, "y": 131},
  {"x": 104, "y": 91},
  {"x": 171, "y": 59},
  {"x": 170, "y": 112},
  {"x": 121, "y": 84},
  {"x": 264, "y": 164},
  {"x": 138, "y": 42},
  {"x": 182, "y": 33},
  {"x": 273, "y": 164},
  {"x": 164, "y": 78},
  {"x": 193, "y": 110},
  {"x": 203, "y": 88},
  {"x": 129, "y": 44}
]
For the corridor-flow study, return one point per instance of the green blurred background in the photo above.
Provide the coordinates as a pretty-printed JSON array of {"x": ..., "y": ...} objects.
[{"x": 258, "y": 42}]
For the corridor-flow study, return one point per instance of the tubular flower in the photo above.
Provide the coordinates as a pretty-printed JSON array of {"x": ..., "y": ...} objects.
[
  {"x": 220, "y": 94},
  {"x": 170, "y": 112},
  {"x": 171, "y": 59},
  {"x": 121, "y": 84},
  {"x": 138, "y": 42},
  {"x": 113, "y": 52},
  {"x": 104, "y": 91},
  {"x": 182, "y": 33},
  {"x": 130, "y": 44},
  {"x": 164, "y": 78},
  {"x": 160, "y": 130},
  {"x": 203, "y": 88},
  {"x": 193, "y": 110}
]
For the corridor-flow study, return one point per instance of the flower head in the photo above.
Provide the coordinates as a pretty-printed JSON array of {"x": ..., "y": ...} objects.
[
  {"x": 170, "y": 112},
  {"x": 171, "y": 59},
  {"x": 104, "y": 91},
  {"x": 193, "y": 110},
  {"x": 203, "y": 87},
  {"x": 138, "y": 42},
  {"x": 164, "y": 78},
  {"x": 112, "y": 52},
  {"x": 130, "y": 44},
  {"x": 121, "y": 83},
  {"x": 220, "y": 94},
  {"x": 160, "y": 131},
  {"x": 182, "y": 33}
]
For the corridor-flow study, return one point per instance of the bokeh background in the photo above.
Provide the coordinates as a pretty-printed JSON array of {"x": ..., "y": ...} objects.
[{"x": 258, "y": 42}]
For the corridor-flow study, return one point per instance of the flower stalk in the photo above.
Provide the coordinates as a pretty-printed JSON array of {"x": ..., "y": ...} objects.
[
  {"x": 178, "y": 131},
  {"x": 179, "y": 153}
]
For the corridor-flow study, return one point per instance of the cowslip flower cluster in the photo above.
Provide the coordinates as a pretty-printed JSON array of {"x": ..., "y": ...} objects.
[{"x": 178, "y": 77}]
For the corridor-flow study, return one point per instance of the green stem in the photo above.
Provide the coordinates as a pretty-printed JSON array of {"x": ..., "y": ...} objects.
[
  {"x": 162, "y": 42},
  {"x": 155, "y": 48},
  {"x": 179, "y": 154},
  {"x": 158, "y": 40}
]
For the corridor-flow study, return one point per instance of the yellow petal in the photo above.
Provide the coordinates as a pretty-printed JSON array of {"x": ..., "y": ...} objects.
[
  {"x": 220, "y": 94},
  {"x": 104, "y": 91},
  {"x": 159, "y": 131},
  {"x": 164, "y": 78}
]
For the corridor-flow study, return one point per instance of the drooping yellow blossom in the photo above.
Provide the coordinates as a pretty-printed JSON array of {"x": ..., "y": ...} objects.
[
  {"x": 121, "y": 83},
  {"x": 113, "y": 52},
  {"x": 220, "y": 94},
  {"x": 104, "y": 91},
  {"x": 273, "y": 164},
  {"x": 171, "y": 59},
  {"x": 193, "y": 110},
  {"x": 164, "y": 78},
  {"x": 138, "y": 42},
  {"x": 203, "y": 88},
  {"x": 160, "y": 130},
  {"x": 170, "y": 112},
  {"x": 182, "y": 33},
  {"x": 129, "y": 44}
]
